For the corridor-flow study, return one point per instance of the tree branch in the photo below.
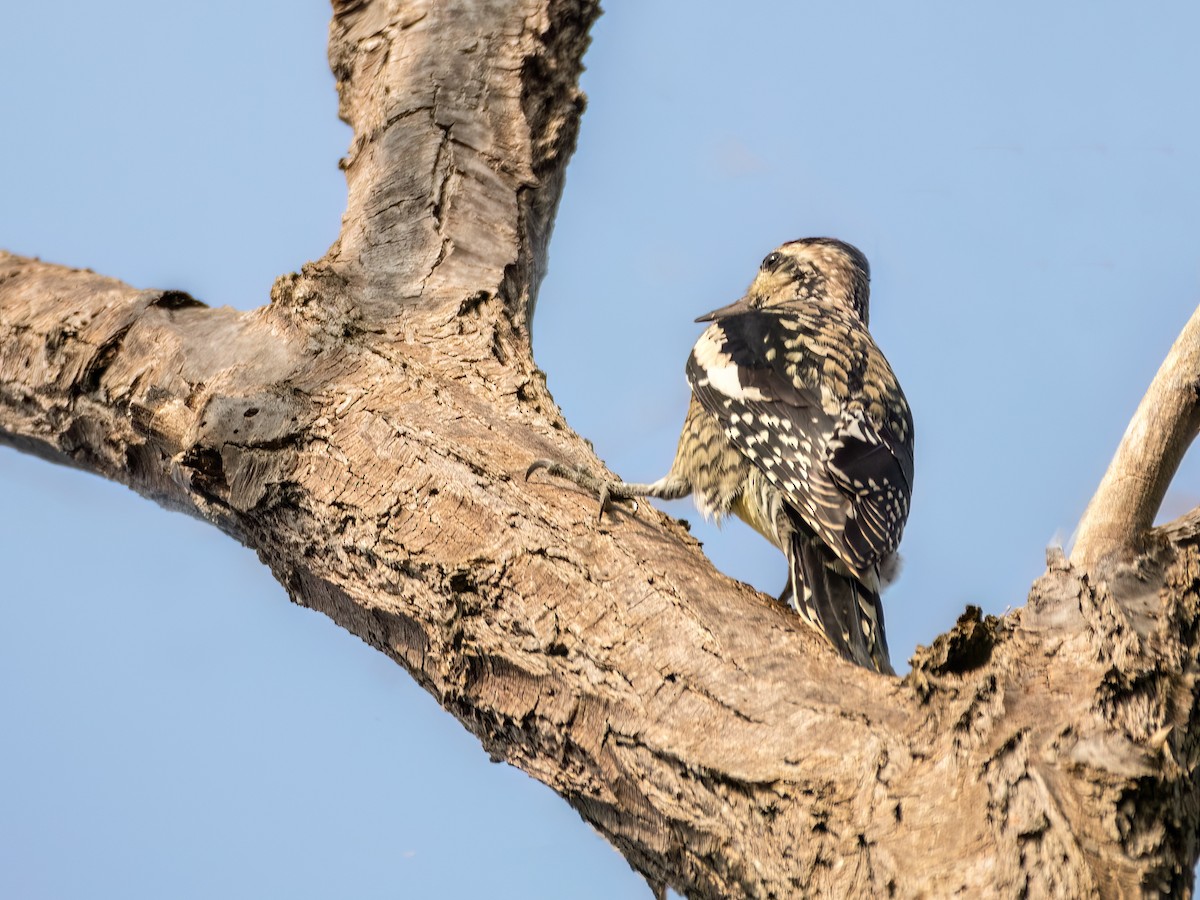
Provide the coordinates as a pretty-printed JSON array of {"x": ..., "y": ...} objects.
[
  {"x": 366, "y": 431},
  {"x": 1118, "y": 518}
]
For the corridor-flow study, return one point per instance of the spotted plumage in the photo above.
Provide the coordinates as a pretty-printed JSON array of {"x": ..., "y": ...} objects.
[{"x": 798, "y": 426}]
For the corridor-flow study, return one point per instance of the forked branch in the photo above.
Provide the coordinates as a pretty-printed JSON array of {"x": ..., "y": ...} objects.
[{"x": 366, "y": 433}]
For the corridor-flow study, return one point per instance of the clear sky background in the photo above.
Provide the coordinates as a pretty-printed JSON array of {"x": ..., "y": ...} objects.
[{"x": 1022, "y": 176}]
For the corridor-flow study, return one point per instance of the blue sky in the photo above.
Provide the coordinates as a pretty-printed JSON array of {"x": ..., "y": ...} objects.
[{"x": 1022, "y": 178}]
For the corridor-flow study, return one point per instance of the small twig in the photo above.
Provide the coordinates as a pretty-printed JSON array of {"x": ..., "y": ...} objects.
[{"x": 1132, "y": 490}]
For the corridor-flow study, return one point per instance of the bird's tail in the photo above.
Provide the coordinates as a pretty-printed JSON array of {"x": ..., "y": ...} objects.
[{"x": 840, "y": 606}]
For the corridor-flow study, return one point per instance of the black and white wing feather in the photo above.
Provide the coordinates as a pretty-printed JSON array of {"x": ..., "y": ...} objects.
[{"x": 811, "y": 401}]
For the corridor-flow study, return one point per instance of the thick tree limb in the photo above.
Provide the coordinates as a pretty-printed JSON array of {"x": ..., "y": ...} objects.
[
  {"x": 365, "y": 433},
  {"x": 1118, "y": 519}
]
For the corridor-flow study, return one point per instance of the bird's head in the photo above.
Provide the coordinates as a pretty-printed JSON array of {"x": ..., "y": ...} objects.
[{"x": 810, "y": 270}]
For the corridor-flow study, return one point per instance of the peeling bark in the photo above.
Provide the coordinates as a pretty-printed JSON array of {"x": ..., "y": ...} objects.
[{"x": 366, "y": 431}]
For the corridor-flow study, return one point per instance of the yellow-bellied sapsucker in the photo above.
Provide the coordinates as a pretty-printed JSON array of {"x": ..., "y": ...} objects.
[{"x": 798, "y": 426}]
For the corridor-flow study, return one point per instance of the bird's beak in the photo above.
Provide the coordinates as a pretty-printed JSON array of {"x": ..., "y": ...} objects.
[{"x": 736, "y": 307}]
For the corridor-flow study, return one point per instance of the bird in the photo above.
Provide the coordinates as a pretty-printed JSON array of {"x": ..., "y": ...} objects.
[{"x": 798, "y": 426}]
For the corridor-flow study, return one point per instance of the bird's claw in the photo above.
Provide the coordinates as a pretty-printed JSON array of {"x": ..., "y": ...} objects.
[
  {"x": 585, "y": 479},
  {"x": 607, "y": 500},
  {"x": 548, "y": 464}
]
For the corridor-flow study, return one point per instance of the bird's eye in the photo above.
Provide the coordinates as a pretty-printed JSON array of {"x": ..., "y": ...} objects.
[{"x": 771, "y": 263}]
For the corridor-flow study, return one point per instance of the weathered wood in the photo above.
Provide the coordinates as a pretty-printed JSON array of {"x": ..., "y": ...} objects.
[
  {"x": 1132, "y": 490},
  {"x": 366, "y": 432}
]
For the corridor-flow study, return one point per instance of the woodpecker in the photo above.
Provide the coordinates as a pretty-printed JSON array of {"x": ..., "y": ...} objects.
[{"x": 798, "y": 426}]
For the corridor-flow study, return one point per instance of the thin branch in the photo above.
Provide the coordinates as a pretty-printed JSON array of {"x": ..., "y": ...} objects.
[{"x": 1120, "y": 514}]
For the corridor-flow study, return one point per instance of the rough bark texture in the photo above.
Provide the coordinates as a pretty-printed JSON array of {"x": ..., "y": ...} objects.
[{"x": 366, "y": 432}]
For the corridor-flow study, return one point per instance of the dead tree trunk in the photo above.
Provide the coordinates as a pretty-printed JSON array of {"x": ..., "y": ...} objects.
[{"x": 366, "y": 431}]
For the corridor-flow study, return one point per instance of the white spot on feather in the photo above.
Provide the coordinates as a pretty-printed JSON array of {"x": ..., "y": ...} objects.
[{"x": 722, "y": 372}]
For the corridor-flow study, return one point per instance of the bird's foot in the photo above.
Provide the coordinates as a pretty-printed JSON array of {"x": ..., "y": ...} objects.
[{"x": 607, "y": 491}]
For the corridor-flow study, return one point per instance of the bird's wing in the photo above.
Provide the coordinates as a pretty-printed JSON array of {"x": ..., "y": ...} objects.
[{"x": 788, "y": 392}]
